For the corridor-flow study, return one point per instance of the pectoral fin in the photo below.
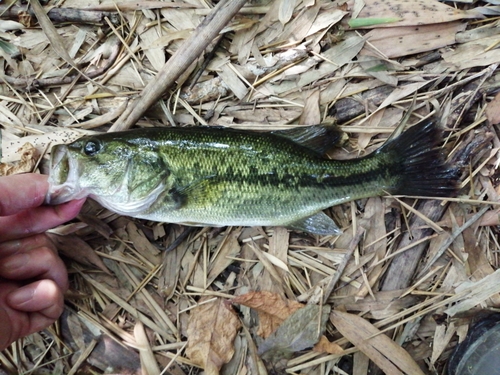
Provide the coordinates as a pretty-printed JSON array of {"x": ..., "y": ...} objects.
[
  {"x": 319, "y": 223},
  {"x": 201, "y": 193}
]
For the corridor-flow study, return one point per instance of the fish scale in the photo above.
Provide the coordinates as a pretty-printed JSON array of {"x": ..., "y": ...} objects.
[{"x": 215, "y": 176}]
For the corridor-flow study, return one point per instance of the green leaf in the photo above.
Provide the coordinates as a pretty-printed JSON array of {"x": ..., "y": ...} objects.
[
  {"x": 371, "y": 21},
  {"x": 9, "y": 48}
]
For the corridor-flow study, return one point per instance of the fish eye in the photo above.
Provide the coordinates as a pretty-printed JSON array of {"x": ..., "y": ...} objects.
[{"x": 91, "y": 148}]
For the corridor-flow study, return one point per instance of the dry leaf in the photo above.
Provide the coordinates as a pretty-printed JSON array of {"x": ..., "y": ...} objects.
[
  {"x": 156, "y": 56},
  {"x": 298, "y": 28},
  {"x": 470, "y": 294},
  {"x": 401, "y": 92},
  {"x": 148, "y": 363},
  {"x": 492, "y": 110},
  {"x": 278, "y": 248},
  {"x": 299, "y": 331},
  {"x": 472, "y": 54},
  {"x": 271, "y": 307},
  {"x": 10, "y": 25},
  {"x": 378, "y": 68},
  {"x": 408, "y": 40},
  {"x": 385, "y": 353},
  {"x": 337, "y": 56},
  {"x": 77, "y": 249},
  {"x": 326, "y": 19},
  {"x": 10, "y": 145},
  {"x": 29, "y": 158},
  {"x": 51, "y": 32},
  {"x": 413, "y": 13},
  {"x": 211, "y": 330},
  {"x": 325, "y": 346},
  {"x": 97, "y": 224},
  {"x": 142, "y": 244},
  {"x": 233, "y": 81},
  {"x": 312, "y": 113},
  {"x": 442, "y": 337},
  {"x": 286, "y": 10},
  {"x": 230, "y": 249},
  {"x": 273, "y": 310}
]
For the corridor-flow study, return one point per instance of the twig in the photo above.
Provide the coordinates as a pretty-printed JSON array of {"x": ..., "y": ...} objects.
[
  {"x": 340, "y": 269},
  {"x": 176, "y": 65},
  {"x": 60, "y": 15}
]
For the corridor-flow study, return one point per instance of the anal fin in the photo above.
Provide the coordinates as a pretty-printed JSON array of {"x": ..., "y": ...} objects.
[{"x": 319, "y": 223}]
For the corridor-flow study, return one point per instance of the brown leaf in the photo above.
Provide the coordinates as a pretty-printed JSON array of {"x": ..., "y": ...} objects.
[
  {"x": 413, "y": 13},
  {"x": 142, "y": 244},
  {"x": 49, "y": 29},
  {"x": 325, "y": 346},
  {"x": 148, "y": 362},
  {"x": 271, "y": 307},
  {"x": 99, "y": 225},
  {"x": 273, "y": 310},
  {"x": 77, "y": 249},
  {"x": 41, "y": 142},
  {"x": 385, "y": 353},
  {"x": 493, "y": 110},
  {"x": 403, "y": 41},
  {"x": 301, "y": 330},
  {"x": 29, "y": 156},
  {"x": 211, "y": 330},
  {"x": 311, "y": 114},
  {"x": 229, "y": 249}
]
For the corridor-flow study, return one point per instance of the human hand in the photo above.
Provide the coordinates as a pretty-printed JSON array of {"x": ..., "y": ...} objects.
[{"x": 33, "y": 278}]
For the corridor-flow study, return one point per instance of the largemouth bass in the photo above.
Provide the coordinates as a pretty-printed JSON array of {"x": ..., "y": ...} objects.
[{"x": 219, "y": 177}]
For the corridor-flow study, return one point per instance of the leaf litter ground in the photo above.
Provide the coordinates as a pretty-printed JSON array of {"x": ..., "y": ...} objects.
[{"x": 393, "y": 294}]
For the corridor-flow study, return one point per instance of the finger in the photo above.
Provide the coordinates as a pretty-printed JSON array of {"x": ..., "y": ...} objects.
[
  {"x": 12, "y": 322},
  {"x": 22, "y": 191},
  {"x": 30, "y": 258},
  {"x": 43, "y": 297},
  {"x": 13, "y": 247},
  {"x": 37, "y": 220},
  {"x": 34, "y": 307}
]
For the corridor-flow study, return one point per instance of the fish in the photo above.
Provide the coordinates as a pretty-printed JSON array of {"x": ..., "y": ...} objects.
[{"x": 212, "y": 176}]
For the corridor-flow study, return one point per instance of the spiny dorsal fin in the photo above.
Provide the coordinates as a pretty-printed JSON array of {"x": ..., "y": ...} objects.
[{"x": 319, "y": 138}]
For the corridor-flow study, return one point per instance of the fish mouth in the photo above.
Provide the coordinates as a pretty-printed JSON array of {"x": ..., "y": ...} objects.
[{"x": 63, "y": 177}]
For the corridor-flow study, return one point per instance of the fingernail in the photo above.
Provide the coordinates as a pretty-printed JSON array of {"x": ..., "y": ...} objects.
[
  {"x": 15, "y": 262},
  {"x": 21, "y": 296}
]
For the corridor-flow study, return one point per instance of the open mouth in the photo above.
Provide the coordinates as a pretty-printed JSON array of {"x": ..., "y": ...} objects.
[
  {"x": 63, "y": 177},
  {"x": 59, "y": 164}
]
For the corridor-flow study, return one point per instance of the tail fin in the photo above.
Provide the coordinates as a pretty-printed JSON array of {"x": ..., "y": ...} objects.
[{"x": 420, "y": 165}]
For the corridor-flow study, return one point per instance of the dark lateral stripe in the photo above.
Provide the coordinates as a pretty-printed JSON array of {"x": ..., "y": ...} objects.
[
  {"x": 431, "y": 177},
  {"x": 291, "y": 181}
]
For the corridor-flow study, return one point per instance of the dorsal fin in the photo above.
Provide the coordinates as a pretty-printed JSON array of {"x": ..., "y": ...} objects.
[{"x": 319, "y": 138}]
